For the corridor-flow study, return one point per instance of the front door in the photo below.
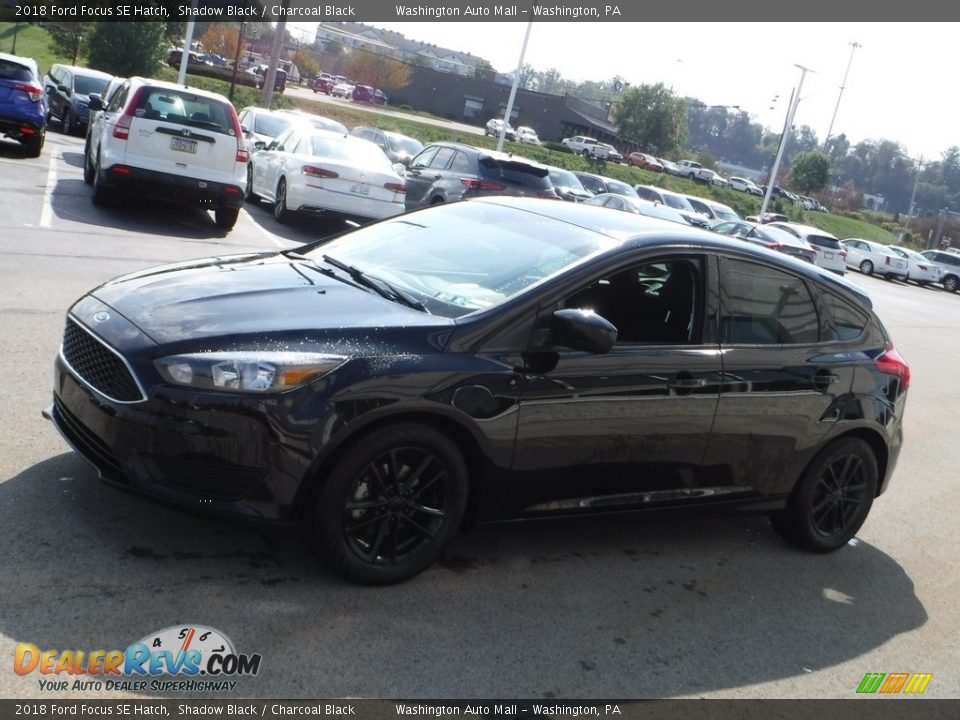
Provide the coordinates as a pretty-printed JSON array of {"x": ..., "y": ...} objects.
[{"x": 628, "y": 428}]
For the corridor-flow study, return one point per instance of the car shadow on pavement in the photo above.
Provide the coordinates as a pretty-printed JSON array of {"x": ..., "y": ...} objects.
[
  {"x": 70, "y": 201},
  {"x": 302, "y": 228},
  {"x": 72, "y": 158},
  {"x": 617, "y": 606},
  {"x": 11, "y": 149}
]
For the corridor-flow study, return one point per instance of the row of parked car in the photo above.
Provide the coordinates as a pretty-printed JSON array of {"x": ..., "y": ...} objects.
[{"x": 342, "y": 87}]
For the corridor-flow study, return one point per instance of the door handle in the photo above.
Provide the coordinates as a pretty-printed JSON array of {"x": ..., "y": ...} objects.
[{"x": 686, "y": 383}]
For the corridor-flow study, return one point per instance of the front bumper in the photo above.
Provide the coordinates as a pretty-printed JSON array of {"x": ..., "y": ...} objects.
[
  {"x": 177, "y": 188},
  {"x": 213, "y": 454}
]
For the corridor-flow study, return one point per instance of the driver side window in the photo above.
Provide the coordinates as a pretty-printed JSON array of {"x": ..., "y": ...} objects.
[{"x": 656, "y": 302}]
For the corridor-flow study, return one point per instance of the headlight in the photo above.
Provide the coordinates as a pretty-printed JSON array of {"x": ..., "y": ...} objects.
[{"x": 246, "y": 371}]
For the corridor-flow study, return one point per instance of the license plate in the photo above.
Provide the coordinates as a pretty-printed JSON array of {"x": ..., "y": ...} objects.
[
  {"x": 828, "y": 256},
  {"x": 183, "y": 145},
  {"x": 360, "y": 189}
]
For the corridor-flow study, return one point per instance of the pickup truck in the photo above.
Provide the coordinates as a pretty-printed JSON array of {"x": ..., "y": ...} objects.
[
  {"x": 693, "y": 170},
  {"x": 586, "y": 146}
]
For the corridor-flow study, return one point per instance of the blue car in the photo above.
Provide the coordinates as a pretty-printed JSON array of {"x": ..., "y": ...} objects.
[{"x": 23, "y": 104}]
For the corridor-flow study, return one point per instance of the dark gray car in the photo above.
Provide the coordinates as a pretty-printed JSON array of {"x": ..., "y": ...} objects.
[
  {"x": 68, "y": 90},
  {"x": 445, "y": 172},
  {"x": 398, "y": 148}
]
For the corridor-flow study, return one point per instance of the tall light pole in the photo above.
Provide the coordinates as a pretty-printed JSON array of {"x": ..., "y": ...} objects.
[
  {"x": 794, "y": 101},
  {"x": 853, "y": 49},
  {"x": 913, "y": 197},
  {"x": 513, "y": 89}
]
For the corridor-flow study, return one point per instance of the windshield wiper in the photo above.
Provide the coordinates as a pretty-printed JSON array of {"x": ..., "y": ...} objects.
[{"x": 381, "y": 287}]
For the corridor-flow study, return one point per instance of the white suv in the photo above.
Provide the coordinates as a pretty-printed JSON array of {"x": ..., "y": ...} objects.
[
  {"x": 830, "y": 254},
  {"x": 169, "y": 142}
]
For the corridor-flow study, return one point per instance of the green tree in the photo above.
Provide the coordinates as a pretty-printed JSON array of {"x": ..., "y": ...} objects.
[
  {"x": 483, "y": 70},
  {"x": 810, "y": 172},
  {"x": 69, "y": 37},
  {"x": 127, "y": 48},
  {"x": 653, "y": 117}
]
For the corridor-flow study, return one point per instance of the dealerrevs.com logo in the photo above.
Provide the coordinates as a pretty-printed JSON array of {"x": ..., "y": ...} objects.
[{"x": 204, "y": 659}]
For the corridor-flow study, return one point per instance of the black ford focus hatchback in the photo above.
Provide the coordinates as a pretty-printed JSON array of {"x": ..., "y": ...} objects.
[{"x": 490, "y": 359}]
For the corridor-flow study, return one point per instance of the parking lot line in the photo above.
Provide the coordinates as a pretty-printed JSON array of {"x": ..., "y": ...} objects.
[
  {"x": 279, "y": 242},
  {"x": 46, "y": 214}
]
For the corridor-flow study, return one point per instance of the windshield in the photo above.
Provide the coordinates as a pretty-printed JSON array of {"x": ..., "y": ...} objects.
[
  {"x": 464, "y": 257},
  {"x": 724, "y": 213},
  {"x": 676, "y": 202},
  {"x": 565, "y": 178},
  {"x": 399, "y": 143},
  {"x": 350, "y": 150},
  {"x": 269, "y": 125},
  {"x": 619, "y": 188},
  {"x": 85, "y": 85}
]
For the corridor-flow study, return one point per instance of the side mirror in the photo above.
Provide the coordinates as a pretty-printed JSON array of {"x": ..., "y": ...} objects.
[
  {"x": 64, "y": 89},
  {"x": 260, "y": 145},
  {"x": 96, "y": 103},
  {"x": 50, "y": 89},
  {"x": 583, "y": 330},
  {"x": 245, "y": 130}
]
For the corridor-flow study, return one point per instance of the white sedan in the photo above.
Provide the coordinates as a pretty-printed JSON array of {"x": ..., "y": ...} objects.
[
  {"x": 320, "y": 172},
  {"x": 871, "y": 257},
  {"x": 920, "y": 270}
]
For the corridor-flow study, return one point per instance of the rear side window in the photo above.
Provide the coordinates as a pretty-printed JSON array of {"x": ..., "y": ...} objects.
[
  {"x": 85, "y": 85},
  {"x": 760, "y": 305},
  {"x": 10, "y": 70},
  {"x": 184, "y": 108},
  {"x": 844, "y": 321}
]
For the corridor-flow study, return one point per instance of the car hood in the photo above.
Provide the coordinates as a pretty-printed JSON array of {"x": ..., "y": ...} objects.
[{"x": 253, "y": 296}]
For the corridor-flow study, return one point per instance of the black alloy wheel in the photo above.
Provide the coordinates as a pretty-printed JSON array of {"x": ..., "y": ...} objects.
[
  {"x": 832, "y": 499},
  {"x": 392, "y": 504}
]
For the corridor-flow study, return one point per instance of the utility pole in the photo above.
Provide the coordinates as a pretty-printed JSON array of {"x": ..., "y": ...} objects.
[
  {"x": 236, "y": 60},
  {"x": 513, "y": 89},
  {"x": 913, "y": 196},
  {"x": 794, "y": 101},
  {"x": 187, "y": 44},
  {"x": 853, "y": 49},
  {"x": 270, "y": 77}
]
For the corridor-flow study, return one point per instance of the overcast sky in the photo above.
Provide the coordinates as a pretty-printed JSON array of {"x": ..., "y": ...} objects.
[{"x": 900, "y": 85}]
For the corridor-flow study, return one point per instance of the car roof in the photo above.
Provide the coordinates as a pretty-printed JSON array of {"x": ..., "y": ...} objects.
[
  {"x": 151, "y": 82},
  {"x": 88, "y": 72},
  {"x": 28, "y": 62},
  {"x": 806, "y": 229}
]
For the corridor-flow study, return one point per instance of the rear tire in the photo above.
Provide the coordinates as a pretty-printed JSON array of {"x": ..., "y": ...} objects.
[
  {"x": 866, "y": 267},
  {"x": 391, "y": 505},
  {"x": 248, "y": 193},
  {"x": 34, "y": 145},
  {"x": 101, "y": 195},
  {"x": 280, "y": 210},
  {"x": 830, "y": 502},
  {"x": 88, "y": 171},
  {"x": 66, "y": 123},
  {"x": 226, "y": 218},
  {"x": 951, "y": 283}
]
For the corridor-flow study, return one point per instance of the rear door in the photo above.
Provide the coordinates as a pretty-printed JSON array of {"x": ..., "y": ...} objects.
[
  {"x": 783, "y": 386},
  {"x": 182, "y": 133},
  {"x": 419, "y": 179}
]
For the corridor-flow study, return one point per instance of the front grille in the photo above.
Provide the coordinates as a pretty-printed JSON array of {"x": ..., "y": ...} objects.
[
  {"x": 88, "y": 444},
  {"x": 98, "y": 366}
]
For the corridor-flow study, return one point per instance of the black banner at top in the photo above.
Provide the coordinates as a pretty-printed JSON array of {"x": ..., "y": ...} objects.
[{"x": 578, "y": 11}]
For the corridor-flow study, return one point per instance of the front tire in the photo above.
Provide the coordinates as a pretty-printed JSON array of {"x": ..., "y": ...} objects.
[
  {"x": 66, "y": 123},
  {"x": 866, "y": 267},
  {"x": 248, "y": 194},
  {"x": 951, "y": 284},
  {"x": 830, "y": 502},
  {"x": 392, "y": 504},
  {"x": 88, "y": 171}
]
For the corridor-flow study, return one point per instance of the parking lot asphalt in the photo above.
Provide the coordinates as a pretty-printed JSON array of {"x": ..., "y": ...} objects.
[{"x": 612, "y": 607}]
